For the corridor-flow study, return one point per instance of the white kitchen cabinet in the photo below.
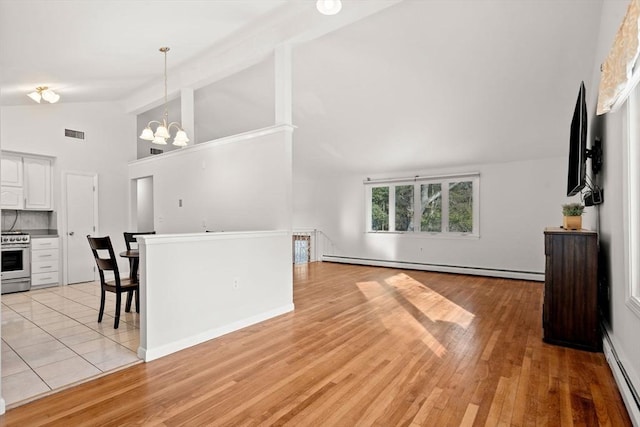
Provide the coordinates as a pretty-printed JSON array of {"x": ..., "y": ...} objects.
[
  {"x": 12, "y": 198},
  {"x": 37, "y": 184},
  {"x": 11, "y": 170},
  {"x": 45, "y": 261},
  {"x": 26, "y": 183}
]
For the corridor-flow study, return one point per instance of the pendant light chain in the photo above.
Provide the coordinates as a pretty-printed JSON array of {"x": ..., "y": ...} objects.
[{"x": 166, "y": 105}]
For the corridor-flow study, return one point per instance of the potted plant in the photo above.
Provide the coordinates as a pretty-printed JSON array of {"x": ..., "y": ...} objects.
[{"x": 572, "y": 219}]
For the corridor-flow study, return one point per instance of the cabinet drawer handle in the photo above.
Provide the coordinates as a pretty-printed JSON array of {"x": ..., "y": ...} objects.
[
  {"x": 45, "y": 255},
  {"x": 46, "y": 266}
]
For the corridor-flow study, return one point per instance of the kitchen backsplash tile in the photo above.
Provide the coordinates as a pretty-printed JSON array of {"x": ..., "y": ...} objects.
[{"x": 26, "y": 220}]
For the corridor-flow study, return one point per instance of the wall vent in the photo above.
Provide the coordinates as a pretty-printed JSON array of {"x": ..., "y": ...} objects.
[
  {"x": 74, "y": 134},
  {"x": 156, "y": 151}
]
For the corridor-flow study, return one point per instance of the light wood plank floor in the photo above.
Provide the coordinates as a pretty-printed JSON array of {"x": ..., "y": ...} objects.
[{"x": 365, "y": 346}]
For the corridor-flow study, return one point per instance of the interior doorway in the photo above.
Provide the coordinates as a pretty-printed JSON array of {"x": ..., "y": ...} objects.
[
  {"x": 143, "y": 204},
  {"x": 301, "y": 248}
]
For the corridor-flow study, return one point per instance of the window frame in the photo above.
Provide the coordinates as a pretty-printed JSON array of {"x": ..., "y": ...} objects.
[
  {"x": 631, "y": 201},
  {"x": 416, "y": 182}
]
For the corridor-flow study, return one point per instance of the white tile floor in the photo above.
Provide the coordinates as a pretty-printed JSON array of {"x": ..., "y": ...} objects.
[{"x": 51, "y": 339}]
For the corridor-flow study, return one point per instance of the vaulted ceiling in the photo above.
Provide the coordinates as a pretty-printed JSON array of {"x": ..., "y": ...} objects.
[
  {"x": 97, "y": 50},
  {"x": 402, "y": 85}
]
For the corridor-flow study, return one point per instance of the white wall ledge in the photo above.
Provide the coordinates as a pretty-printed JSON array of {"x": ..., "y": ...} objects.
[{"x": 245, "y": 136}]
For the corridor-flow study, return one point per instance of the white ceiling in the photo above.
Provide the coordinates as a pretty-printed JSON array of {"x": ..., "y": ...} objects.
[
  {"x": 415, "y": 85},
  {"x": 102, "y": 50},
  {"x": 431, "y": 84}
]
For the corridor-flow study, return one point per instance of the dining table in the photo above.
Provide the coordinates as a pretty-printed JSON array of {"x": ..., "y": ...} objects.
[{"x": 134, "y": 256}]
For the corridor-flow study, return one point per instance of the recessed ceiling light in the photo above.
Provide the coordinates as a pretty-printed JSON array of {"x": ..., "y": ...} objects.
[{"x": 329, "y": 7}]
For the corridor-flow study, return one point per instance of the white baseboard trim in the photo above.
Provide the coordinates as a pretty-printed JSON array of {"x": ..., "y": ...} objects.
[
  {"x": 149, "y": 354},
  {"x": 627, "y": 390},
  {"x": 476, "y": 271},
  {"x": 3, "y": 407}
]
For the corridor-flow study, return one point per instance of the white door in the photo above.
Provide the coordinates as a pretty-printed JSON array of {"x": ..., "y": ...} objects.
[{"x": 82, "y": 205}]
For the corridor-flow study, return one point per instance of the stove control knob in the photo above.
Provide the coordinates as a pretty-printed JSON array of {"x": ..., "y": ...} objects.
[{"x": 11, "y": 239}]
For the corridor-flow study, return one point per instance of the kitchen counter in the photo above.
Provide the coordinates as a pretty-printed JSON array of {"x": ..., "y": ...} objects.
[{"x": 38, "y": 234}]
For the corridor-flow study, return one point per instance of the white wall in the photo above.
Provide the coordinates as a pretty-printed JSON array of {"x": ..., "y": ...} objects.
[
  {"x": 239, "y": 103},
  {"x": 108, "y": 145},
  {"x": 200, "y": 286},
  {"x": 237, "y": 183},
  {"x": 517, "y": 201},
  {"x": 622, "y": 324}
]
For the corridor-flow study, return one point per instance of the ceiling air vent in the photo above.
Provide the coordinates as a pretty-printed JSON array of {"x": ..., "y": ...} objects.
[{"x": 74, "y": 134}]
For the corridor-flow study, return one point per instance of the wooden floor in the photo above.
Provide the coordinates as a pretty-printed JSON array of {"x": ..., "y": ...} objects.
[{"x": 365, "y": 346}]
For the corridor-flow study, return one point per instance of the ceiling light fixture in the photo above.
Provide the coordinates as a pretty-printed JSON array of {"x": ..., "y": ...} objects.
[
  {"x": 161, "y": 134},
  {"x": 43, "y": 92},
  {"x": 329, "y": 7}
]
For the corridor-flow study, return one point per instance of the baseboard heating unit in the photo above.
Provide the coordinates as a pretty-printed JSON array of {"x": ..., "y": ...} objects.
[
  {"x": 441, "y": 268},
  {"x": 625, "y": 385}
]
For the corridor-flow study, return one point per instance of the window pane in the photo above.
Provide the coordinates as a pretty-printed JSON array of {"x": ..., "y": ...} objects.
[
  {"x": 461, "y": 207},
  {"x": 404, "y": 208},
  {"x": 380, "y": 208},
  {"x": 431, "y": 205}
]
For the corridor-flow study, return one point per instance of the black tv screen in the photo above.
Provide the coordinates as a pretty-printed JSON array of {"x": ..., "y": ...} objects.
[{"x": 576, "y": 178}]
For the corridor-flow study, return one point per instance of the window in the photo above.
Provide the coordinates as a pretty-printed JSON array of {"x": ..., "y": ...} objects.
[
  {"x": 404, "y": 208},
  {"x": 434, "y": 205},
  {"x": 431, "y": 207},
  {"x": 632, "y": 201},
  {"x": 461, "y": 207},
  {"x": 380, "y": 208}
]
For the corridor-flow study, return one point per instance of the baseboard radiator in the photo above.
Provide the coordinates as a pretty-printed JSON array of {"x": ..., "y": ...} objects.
[
  {"x": 442, "y": 268},
  {"x": 625, "y": 385}
]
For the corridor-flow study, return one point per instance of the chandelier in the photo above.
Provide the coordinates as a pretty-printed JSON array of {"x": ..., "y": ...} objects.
[
  {"x": 161, "y": 134},
  {"x": 43, "y": 92}
]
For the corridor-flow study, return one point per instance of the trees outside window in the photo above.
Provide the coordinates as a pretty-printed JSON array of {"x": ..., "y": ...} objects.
[
  {"x": 447, "y": 205},
  {"x": 404, "y": 208},
  {"x": 380, "y": 209},
  {"x": 431, "y": 208},
  {"x": 461, "y": 207}
]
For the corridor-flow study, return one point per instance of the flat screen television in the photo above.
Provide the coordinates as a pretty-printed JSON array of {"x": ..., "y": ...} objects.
[{"x": 577, "y": 175}]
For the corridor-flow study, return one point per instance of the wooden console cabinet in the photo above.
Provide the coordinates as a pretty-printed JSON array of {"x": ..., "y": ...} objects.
[{"x": 570, "y": 310}]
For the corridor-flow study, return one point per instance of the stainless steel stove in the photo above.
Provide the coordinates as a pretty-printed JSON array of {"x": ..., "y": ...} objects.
[
  {"x": 16, "y": 261},
  {"x": 17, "y": 237}
]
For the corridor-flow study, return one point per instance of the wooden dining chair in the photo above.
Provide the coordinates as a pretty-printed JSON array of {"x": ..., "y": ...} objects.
[
  {"x": 131, "y": 242},
  {"x": 106, "y": 261},
  {"x": 130, "y": 237}
]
